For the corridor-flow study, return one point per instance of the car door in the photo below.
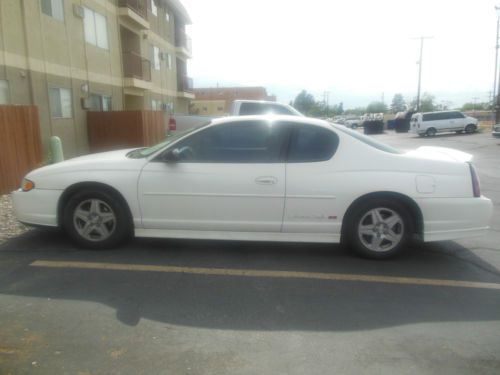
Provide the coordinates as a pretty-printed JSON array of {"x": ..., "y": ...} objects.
[
  {"x": 310, "y": 203},
  {"x": 229, "y": 177}
]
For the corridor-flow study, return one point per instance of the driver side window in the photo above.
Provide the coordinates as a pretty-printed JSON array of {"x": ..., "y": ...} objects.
[{"x": 242, "y": 142}]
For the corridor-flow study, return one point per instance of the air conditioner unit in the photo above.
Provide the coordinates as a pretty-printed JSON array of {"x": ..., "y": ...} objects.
[
  {"x": 86, "y": 103},
  {"x": 78, "y": 11}
]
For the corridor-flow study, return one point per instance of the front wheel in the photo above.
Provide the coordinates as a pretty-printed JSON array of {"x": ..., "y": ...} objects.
[
  {"x": 379, "y": 229},
  {"x": 96, "y": 220},
  {"x": 469, "y": 129}
]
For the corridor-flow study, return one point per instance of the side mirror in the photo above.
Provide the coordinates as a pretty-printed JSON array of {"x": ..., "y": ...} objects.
[{"x": 172, "y": 156}]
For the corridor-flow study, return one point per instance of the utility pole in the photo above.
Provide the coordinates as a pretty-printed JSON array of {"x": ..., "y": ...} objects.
[
  {"x": 474, "y": 99},
  {"x": 326, "y": 99},
  {"x": 496, "y": 108},
  {"x": 422, "y": 38}
]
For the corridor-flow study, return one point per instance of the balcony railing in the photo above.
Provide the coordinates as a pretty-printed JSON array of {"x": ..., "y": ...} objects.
[
  {"x": 185, "y": 84},
  {"x": 135, "y": 66},
  {"x": 138, "y": 6},
  {"x": 182, "y": 40}
]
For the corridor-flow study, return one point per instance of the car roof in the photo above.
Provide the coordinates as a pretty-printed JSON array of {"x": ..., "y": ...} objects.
[{"x": 272, "y": 117}]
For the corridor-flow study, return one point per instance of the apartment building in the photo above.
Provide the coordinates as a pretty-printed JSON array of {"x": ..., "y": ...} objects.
[
  {"x": 215, "y": 101},
  {"x": 72, "y": 56}
]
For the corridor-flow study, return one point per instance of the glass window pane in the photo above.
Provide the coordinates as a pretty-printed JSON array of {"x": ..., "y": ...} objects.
[
  {"x": 154, "y": 8},
  {"x": 55, "y": 102},
  {"x": 66, "y": 105},
  {"x": 4, "y": 92},
  {"x": 242, "y": 142},
  {"x": 47, "y": 7},
  {"x": 89, "y": 26},
  {"x": 106, "y": 103},
  {"x": 101, "y": 31},
  {"x": 57, "y": 9},
  {"x": 156, "y": 58},
  {"x": 312, "y": 144},
  {"x": 95, "y": 102}
]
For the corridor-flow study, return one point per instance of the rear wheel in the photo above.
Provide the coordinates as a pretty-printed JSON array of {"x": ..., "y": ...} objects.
[
  {"x": 431, "y": 132},
  {"x": 379, "y": 229},
  {"x": 96, "y": 220},
  {"x": 471, "y": 128}
]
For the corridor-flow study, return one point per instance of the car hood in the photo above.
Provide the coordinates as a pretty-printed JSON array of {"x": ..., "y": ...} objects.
[
  {"x": 111, "y": 160},
  {"x": 440, "y": 153}
]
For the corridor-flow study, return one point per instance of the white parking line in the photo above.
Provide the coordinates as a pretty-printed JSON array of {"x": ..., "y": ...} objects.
[{"x": 265, "y": 273}]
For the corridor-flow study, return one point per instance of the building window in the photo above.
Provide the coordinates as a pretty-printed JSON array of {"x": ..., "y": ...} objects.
[
  {"x": 156, "y": 57},
  {"x": 168, "y": 60},
  {"x": 167, "y": 16},
  {"x": 96, "y": 31},
  {"x": 4, "y": 92},
  {"x": 60, "y": 103},
  {"x": 53, "y": 8},
  {"x": 100, "y": 103},
  {"x": 156, "y": 105},
  {"x": 154, "y": 8}
]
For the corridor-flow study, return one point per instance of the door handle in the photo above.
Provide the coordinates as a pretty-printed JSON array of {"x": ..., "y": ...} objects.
[{"x": 266, "y": 180}]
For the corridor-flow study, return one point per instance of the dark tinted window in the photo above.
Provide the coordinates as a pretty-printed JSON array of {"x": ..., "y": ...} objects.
[
  {"x": 456, "y": 115},
  {"x": 312, "y": 143},
  {"x": 262, "y": 109},
  {"x": 238, "y": 142}
]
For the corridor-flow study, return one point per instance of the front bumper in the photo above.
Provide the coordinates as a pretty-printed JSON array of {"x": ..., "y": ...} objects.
[{"x": 36, "y": 207}]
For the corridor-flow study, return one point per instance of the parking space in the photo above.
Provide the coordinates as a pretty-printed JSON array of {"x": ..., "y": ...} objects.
[{"x": 215, "y": 307}]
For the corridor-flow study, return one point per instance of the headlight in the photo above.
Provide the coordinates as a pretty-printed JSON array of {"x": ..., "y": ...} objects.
[{"x": 27, "y": 185}]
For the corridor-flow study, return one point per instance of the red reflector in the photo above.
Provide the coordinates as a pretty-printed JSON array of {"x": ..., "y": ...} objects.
[
  {"x": 476, "y": 188},
  {"x": 172, "y": 125}
]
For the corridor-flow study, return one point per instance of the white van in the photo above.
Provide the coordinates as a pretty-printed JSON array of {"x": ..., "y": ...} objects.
[{"x": 430, "y": 123}]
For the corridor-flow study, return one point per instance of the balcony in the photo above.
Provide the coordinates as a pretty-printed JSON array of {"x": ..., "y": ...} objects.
[
  {"x": 137, "y": 71},
  {"x": 135, "y": 13},
  {"x": 185, "y": 87},
  {"x": 183, "y": 45}
]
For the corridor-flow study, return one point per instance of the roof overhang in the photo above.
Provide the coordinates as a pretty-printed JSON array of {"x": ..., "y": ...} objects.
[{"x": 178, "y": 8}]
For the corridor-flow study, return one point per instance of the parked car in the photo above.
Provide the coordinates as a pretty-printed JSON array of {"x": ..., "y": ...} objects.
[
  {"x": 352, "y": 123},
  {"x": 496, "y": 130},
  {"x": 430, "y": 123},
  {"x": 261, "y": 178},
  {"x": 181, "y": 123}
]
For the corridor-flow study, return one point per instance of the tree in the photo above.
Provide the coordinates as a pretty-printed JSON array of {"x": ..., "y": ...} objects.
[
  {"x": 427, "y": 103},
  {"x": 304, "y": 102},
  {"x": 376, "y": 107},
  {"x": 358, "y": 111},
  {"x": 476, "y": 106},
  {"x": 398, "y": 104}
]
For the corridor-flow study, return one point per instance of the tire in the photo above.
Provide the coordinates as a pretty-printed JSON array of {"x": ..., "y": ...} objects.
[
  {"x": 471, "y": 128},
  {"x": 96, "y": 219},
  {"x": 431, "y": 132},
  {"x": 379, "y": 228}
]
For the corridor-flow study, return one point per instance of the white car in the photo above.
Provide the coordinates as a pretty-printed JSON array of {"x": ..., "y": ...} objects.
[
  {"x": 430, "y": 123},
  {"x": 261, "y": 178}
]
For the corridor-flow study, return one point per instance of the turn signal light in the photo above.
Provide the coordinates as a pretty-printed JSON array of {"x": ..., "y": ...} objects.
[{"x": 27, "y": 185}]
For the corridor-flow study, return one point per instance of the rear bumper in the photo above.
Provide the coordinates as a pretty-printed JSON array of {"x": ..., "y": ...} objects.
[
  {"x": 454, "y": 218},
  {"x": 36, "y": 207}
]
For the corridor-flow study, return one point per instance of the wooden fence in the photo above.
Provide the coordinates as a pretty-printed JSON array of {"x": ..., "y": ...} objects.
[
  {"x": 124, "y": 129},
  {"x": 20, "y": 144}
]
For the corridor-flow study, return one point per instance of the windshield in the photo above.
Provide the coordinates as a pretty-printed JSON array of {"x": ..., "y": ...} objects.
[
  {"x": 369, "y": 141},
  {"x": 144, "y": 152}
]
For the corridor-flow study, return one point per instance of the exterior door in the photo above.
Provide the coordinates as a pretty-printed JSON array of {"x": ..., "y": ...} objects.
[
  {"x": 311, "y": 205},
  {"x": 229, "y": 177}
]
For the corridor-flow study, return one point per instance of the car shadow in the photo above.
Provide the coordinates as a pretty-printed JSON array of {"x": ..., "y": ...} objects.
[{"x": 254, "y": 303}]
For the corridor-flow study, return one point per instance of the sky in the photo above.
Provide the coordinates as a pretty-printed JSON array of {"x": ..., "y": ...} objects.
[{"x": 357, "y": 50}]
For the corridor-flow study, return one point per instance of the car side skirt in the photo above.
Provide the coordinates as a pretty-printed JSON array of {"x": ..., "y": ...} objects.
[{"x": 238, "y": 236}]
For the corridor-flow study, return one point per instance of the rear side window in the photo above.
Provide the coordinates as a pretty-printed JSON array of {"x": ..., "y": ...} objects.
[{"x": 312, "y": 144}]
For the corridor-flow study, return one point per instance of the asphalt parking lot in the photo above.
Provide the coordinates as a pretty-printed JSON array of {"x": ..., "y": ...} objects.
[{"x": 214, "y": 307}]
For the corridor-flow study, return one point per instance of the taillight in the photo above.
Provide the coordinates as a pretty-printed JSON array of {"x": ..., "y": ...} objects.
[
  {"x": 172, "y": 124},
  {"x": 475, "y": 181}
]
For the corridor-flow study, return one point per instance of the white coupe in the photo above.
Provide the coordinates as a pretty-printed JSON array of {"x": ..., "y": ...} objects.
[{"x": 261, "y": 178}]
